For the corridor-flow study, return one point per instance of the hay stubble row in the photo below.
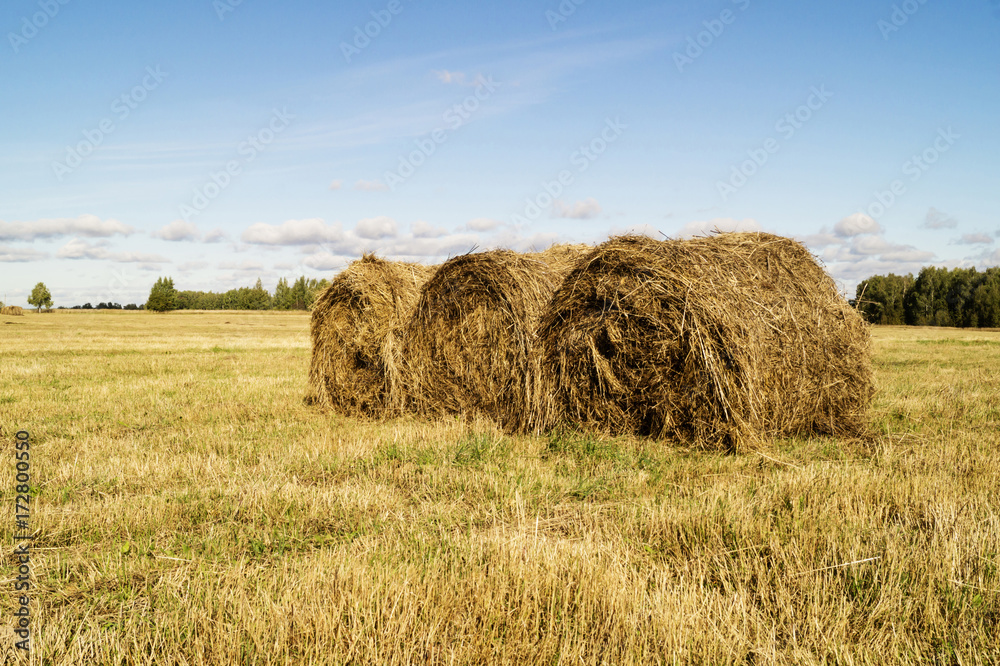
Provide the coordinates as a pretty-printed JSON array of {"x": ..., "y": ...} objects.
[{"x": 721, "y": 342}]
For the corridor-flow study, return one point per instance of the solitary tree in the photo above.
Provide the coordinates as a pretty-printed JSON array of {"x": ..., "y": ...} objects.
[
  {"x": 40, "y": 297},
  {"x": 162, "y": 296}
]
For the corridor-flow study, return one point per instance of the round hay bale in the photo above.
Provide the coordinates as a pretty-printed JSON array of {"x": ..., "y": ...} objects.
[
  {"x": 720, "y": 341},
  {"x": 12, "y": 310},
  {"x": 471, "y": 345},
  {"x": 356, "y": 327}
]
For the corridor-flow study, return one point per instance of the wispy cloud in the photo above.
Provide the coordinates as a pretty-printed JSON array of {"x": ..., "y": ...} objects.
[
  {"x": 974, "y": 239},
  {"x": 80, "y": 249},
  {"x": 293, "y": 232},
  {"x": 706, "y": 227},
  {"x": 937, "y": 219},
  {"x": 581, "y": 210},
  {"x": 376, "y": 228},
  {"x": 178, "y": 230},
  {"x": 85, "y": 225},
  {"x": 370, "y": 186},
  {"x": 18, "y": 254}
]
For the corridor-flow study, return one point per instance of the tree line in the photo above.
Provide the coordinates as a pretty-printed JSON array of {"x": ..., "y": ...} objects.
[
  {"x": 300, "y": 295},
  {"x": 962, "y": 297}
]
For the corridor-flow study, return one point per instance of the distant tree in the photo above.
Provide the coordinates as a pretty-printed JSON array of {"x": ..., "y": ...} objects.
[
  {"x": 258, "y": 298},
  {"x": 40, "y": 297},
  {"x": 300, "y": 296},
  {"x": 927, "y": 304},
  {"x": 962, "y": 282},
  {"x": 282, "y": 299},
  {"x": 986, "y": 299},
  {"x": 880, "y": 298},
  {"x": 163, "y": 296},
  {"x": 131, "y": 306},
  {"x": 315, "y": 288},
  {"x": 86, "y": 306}
]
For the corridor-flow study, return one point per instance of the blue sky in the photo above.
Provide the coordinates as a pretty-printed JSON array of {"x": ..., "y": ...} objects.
[{"x": 218, "y": 142}]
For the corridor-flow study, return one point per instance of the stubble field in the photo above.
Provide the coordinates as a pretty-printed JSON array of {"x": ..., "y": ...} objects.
[{"x": 190, "y": 509}]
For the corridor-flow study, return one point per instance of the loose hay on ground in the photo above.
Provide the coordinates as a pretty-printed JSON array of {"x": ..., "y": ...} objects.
[
  {"x": 356, "y": 334},
  {"x": 722, "y": 342},
  {"x": 471, "y": 344}
]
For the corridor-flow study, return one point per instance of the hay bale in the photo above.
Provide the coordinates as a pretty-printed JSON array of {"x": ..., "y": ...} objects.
[
  {"x": 356, "y": 326},
  {"x": 720, "y": 342},
  {"x": 471, "y": 345},
  {"x": 12, "y": 311}
]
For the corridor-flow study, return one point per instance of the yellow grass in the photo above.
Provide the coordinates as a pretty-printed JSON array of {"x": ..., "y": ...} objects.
[{"x": 191, "y": 509}]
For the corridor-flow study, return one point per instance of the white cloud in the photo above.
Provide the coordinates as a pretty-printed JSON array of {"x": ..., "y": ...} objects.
[
  {"x": 823, "y": 239},
  {"x": 974, "y": 239},
  {"x": 990, "y": 258},
  {"x": 859, "y": 249},
  {"x": 178, "y": 230},
  {"x": 421, "y": 229},
  {"x": 192, "y": 266},
  {"x": 637, "y": 230},
  {"x": 16, "y": 254},
  {"x": 335, "y": 185},
  {"x": 90, "y": 226},
  {"x": 370, "y": 186},
  {"x": 700, "y": 228},
  {"x": 245, "y": 265},
  {"x": 581, "y": 210},
  {"x": 375, "y": 228},
  {"x": 293, "y": 232},
  {"x": 450, "y": 77},
  {"x": 937, "y": 219},
  {"x": 534, "y": 243},
  {"x": 215, "y": 236},
  {"x": 482, "y": 224},
  {"x": 856, "y": 224},
  {"x": 324, "y": 261},
  {"x": 414, "y": 248},
  {"x": 80, "y": 249}
]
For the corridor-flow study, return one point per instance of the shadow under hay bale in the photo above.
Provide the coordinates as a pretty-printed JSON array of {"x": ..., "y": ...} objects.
[
  {"x": 471, "y": 346},
  {"x": 12, "y": 311},
  {"x": 721, "y": 342},
  {"x": 356, "y": 327}
]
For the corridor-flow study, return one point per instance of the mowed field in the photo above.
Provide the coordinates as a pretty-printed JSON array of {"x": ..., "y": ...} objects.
[{"x": 191, "y": 509}]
